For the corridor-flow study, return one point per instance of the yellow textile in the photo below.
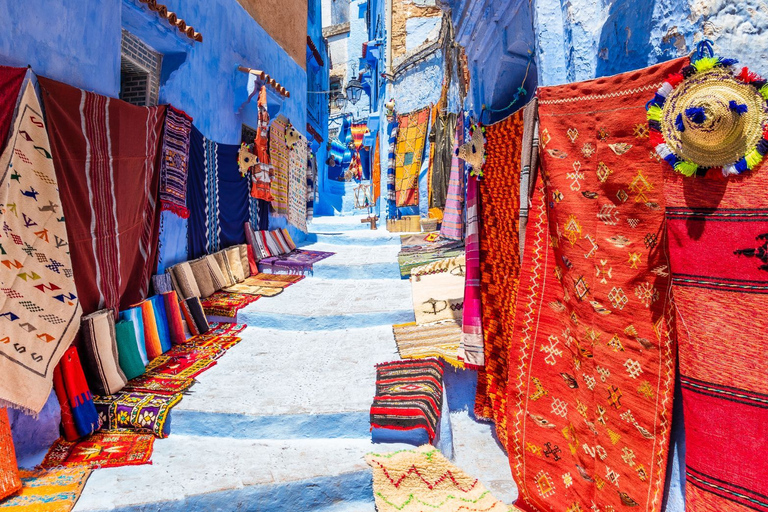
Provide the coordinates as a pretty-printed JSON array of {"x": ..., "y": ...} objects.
[
  {"x": 48, "y": 490},
  {"x": 441, "y": 340},
  {"x": 411, "y": 136}
]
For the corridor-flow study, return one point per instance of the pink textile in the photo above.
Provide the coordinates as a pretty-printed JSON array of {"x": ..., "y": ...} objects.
[
  {"x": 471, "y": 347},
  {"x": 453, "y": 225}
]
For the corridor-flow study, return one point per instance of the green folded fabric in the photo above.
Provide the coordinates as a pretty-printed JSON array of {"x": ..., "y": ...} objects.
[{"x": 127, "y": 350}]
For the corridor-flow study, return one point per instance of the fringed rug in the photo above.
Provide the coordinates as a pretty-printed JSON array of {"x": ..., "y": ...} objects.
[
  {"x": 159, "y": 384},
  {"x": 718, "y": 247},
  {"x": 412, "y": 134},
  {"x": 279, "y": 156},
  {"x": 438, "y": 290},
  {"x": 174, "y": 162},
  {"x": 498, "y": 200},
  {"x": 102, "y": 450},
  {"x": 298, "y": 261},
  {"x": 38, "y": 291},
  {"x": 409, "y": 396},
  {"x": 440, "y": 340},
  {"x": 423, "y": 479},
  {"x": 592, "y": 360},
  {"x": 137, "y": 412},
  {"x": 48, "y": 490},
  {"x": 227, "y": 304}
]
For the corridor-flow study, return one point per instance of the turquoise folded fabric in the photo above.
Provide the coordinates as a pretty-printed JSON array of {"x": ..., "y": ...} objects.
[
  {"x": 135, "y": 318},
  {"x": 128, "y": 355},
  {"x": 158, "y": 305}
]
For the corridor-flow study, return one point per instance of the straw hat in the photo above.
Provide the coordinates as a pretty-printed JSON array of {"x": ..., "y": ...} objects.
[{"x": 711, "y": 114}]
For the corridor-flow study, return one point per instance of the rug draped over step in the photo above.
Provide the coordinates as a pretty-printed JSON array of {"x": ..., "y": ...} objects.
[
  {"x": 38, "y": 302},
  {"x": 439, "y": 339},
  {"x": 48, "y": 490},
  {"x": 106, "y": 153},
  {"x": 273, "y": 280},
  {"x": 298, "y": 261},
  {"x": 144, "y": 413},
  {"x": 227, "y": 304},
  {"x": 499, "y": 261},
  {"x": 409, "y": 395},
  {"x": 438, "y": 290},
  {"x": 411, "y": 139},
  {"x": 158, "y": 384},
  {"x": 718, "y": 237},
  {"x": 424, "y": 248},
  {"x": 592, "y": 360},
  {"x": 175, "y": 161},
  {"x": 185, "y": 367},
  {"x": 423, "y": 479},
  {"x": 102, "y": 450}
]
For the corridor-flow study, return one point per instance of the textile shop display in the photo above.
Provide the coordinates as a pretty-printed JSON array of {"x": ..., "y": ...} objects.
[
  {"x": 100, "y": 344},
  {"x": 279, "y": 155},
  {"x": 498, "y": 200},
  {"x": 298, "y": 261},
  {"x": 452, "y": 226},
  {"x": 438, "y": 290},
  {"x": 424, "y": 248},
  {"x": 423, "y": 479},
  {"x": 135, "y": 317},
  {"x": 472, "y": 348},
  {"x": 208, "y": 275},
  {"x": 80, "y": 415},
  {"x": 442, "y": 139},
  {"x": 101, "y": 450},
  {"x": 137, "y": 412},
  {"x": 439, "y": 340},
  {"x": 411, "y": 138},
  {"x": 39, "y": 305},
  {"x": 158, "y": 384},
  {"x": 592, "y": 364},
  {"x": 10, "y": 85},
  {"x": 10, "y": 482},
  {"x": 227, "y": 304},
  {"x": 48, "y": 490},
  {"x": 175, "y": 161},
  {"x": 103, "y": 148},
  {"x": 718, "y": 247},
  {"x": 128, "y": 353},
  {"x": 175, "y": 320},
  {"x": 297, "y": 184},
  {"x": 409, "y": 396}
]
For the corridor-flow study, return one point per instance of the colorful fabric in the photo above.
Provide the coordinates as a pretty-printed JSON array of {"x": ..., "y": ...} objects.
[
  {"x": 101, "y": 450},
  {"x": 297, "y": 185},
  {"x": 529, "y": 163},
  {"x": 424, "y": 248},
  {"x": 453, "y": 215},
  {"x": 442, "y": 138},
  {"x": 499, "y": 195},
  {"x": 245, "y": 289},
  {"x": 423, "y": 479},
  {"x": 115, "y": 239},
  {"x": 592, "y": 361},
  {"x": 717, "y": 247},
  {"x": 298, "y": 261},
  {"x": 411, "y": 137},
  {"x": 439, "y": 339},
  {"x": 67, "y": 420},
  {"x": 173, "y": 315},
  {"x": 221, "y": 328},
  {"x": 161, "y": 283},
  {"x": 137, "y": 412},
  {"x": 85, "y": 419},
  {"x": 158, "y": 384},
  {"x": 438, "y": 290},
  {"x": 48, "y": 490},
  {"x": 273, "y": 280},
  {"x": 161, "y": 316},
  {"x": 472, "y": 347},
  {"x": 234, "y": 196},
  {"x": 391, "y": 175},
  {"x": 184, "y": 280},
  {"x": 10, "y": 85},
  {"x": 181, "y": 367},
  {"x": 409, "y": 395},
  {"x": 98, "y": 340},
  {"x": 376, "y": 170},
  {"x": 38, "y": 297},
  {"x": 10, "y": 482},
  {"x": 194, "y": 316},
  {"x": 128, "y": 354},
  {"x": 175, "y": 161},
  {"x": 311, "y": 184},
  {"x": 152, "y": 343},
  {"x": 279, "y": 155},
  {"x": 135, "y": 317},
  {"x": 227, "y": 304}
]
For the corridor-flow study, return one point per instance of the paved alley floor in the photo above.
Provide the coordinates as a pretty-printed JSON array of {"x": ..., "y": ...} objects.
[{"x": 281, "y": 422}]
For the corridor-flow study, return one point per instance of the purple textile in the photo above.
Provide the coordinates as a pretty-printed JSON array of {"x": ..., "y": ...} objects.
[{"x": 298, "y": 261}]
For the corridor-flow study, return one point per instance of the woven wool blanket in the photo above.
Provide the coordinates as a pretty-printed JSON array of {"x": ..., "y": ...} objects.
[
  {"x": 175, "y": 161},
  {"x": 280, "y": 157},
  {"x": 423, "y": 479},
  {"x": 106, "y": 153},
  {"x": 499, "y": 195},
  {"x": 438, "y": 290},
  {"x": 453, "y": 215},
  {"x": 48, "y": 490},
  {"x": 472, "y": 349},
  {"x": 38, "y": 300},
  {"x": 297, "y": 185},
  {"x": 591, "y": 366},
  {"x": 409, "y": 395},
  {"x": 439, "y": 339},
  {"x": 411, "y": 139},
  {"x": 101, "y": 450},
  {"x": 298, "y": 261},
  {"x": 718, "y": 247}
]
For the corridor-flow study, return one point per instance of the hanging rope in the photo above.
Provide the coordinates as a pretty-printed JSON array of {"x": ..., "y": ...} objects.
[{"x": 519, "y": 94}]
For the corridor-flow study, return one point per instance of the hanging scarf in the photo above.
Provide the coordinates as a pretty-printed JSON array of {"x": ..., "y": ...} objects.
[{"x": 175, "y": 161}]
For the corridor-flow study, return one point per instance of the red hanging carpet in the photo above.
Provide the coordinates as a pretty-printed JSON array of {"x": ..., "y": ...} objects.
[
  {"x": 592, "y": 360},
  {"x": 10, "y": 85}
]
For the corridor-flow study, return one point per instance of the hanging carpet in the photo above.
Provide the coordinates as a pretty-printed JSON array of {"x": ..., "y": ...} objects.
[
  {"x": 297, "y": 184},
  {"x": 38, "y": 302},
  {"x": 391, "y": 168},
  {"x": 279, "y": 155},
  {"x": 106, "y": 153},
  {"x": 10, "y": 85},
  {"x": 442, "y": 139},
  {"x": 453, "y": 215},
  {"x": 592, "y": 359},
  {"x": 411, "y": 139},
  {"x": 175, "y": 161},
  {"x": 472, "y": 349},
  {"x": 48, "y": 490},
  {"x": 101, "y": 450},
  {"x": 493, "y": 210},
  {"x": 718, "y": 246}
]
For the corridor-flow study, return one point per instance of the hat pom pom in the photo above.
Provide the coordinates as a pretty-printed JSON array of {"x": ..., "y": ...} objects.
[
  {"x": 739, "y": 108},
  {"x": 679, "y": 123},
  {"x": 696, "y": 114}
]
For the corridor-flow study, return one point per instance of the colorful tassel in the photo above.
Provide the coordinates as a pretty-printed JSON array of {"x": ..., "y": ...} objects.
[
  {"x": 654, "y": 113},
  {"x": 675, "y": 79},
  {"x": 679, "y": 125},
  {"x": 764, "y": 92},
  {"x": 696, "y": 115},
  {"x": 686, "y": 168},
  {"x": 739, "y": 108},
  {"x": 753, "y": 158},
  {"x": 706, "y": 63}
]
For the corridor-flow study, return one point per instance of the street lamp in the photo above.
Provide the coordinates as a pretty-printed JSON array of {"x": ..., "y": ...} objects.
[
  {"x": 354, "y": 90},
  {"x": 339, "y": 101}
]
